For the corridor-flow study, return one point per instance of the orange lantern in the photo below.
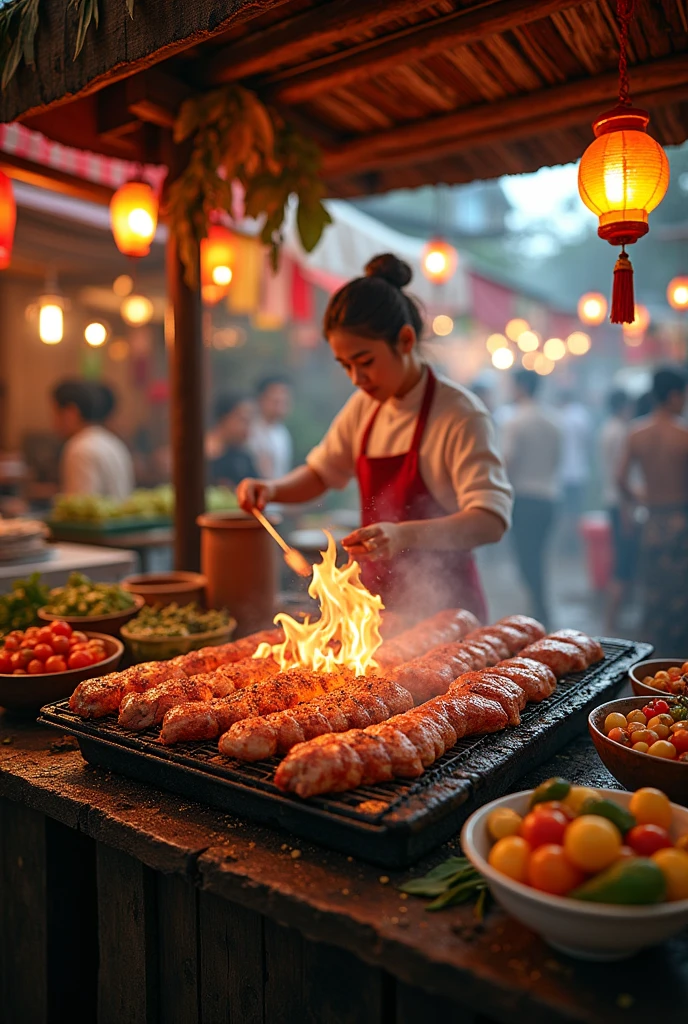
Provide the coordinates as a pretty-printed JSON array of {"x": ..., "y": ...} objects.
[
  {"x": 677, "y": 293},
  {"x": 217, "y": 259},
  {"x": 592, "y": 308},
  {"x": 439, "y": 260},
  {"x": 623, "y": 176},
  {"x": 8, "y": 219},
  {"x": 134, "y": 218}
]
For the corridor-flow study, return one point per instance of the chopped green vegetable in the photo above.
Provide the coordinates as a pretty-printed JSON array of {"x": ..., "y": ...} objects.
[
  {"x": 174, "y": 620},
  {"x": 151, "y": 503},
  {"x": 18, "y": 608},
  {"x": 452, "y": 882},
  {"x": 81, "y": 596}
]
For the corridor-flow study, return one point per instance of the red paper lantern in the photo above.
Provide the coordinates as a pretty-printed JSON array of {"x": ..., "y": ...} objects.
[
  {"x": 439, "y": 260},
  {"x": 8, "y": 220},
  {"x": 623, "y": 175},
  {"x": 134, "y": 218},
  {"x": 217, "y": 262}
]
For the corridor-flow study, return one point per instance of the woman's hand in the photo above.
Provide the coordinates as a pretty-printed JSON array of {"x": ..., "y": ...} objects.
[
  {"x": 375, "y": 542},
  {"x": 253, "y": 493}
]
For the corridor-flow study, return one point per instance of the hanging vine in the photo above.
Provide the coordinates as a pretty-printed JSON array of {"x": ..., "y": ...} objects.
[
  {"x": 19, "y": 21},
  {"x": 235, "y": 138}
]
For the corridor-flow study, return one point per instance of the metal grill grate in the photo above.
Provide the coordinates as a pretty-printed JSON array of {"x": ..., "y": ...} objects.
[{"x": 378, "y": 807}]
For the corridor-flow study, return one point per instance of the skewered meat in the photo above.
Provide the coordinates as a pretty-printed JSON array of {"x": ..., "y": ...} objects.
[
  {"x": 538, "y": 681},
  {"x": 561, "y": 656},
  {"x": 448, "y": 625},
  {"x": 497, "y": 687},
  {"x": 95, "y": 698},
  {"x": 367, "y": 703},
  {"x": 531, "y": 628},
  {"x": 247, "y": 646},
  {"x": 141, "y": 710},
  {"x": 592, "y": 649},
  {"x": 205, "y": 721}
]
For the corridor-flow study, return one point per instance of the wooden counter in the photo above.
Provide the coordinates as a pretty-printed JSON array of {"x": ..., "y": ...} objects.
[{"x": 120, "y": 903}]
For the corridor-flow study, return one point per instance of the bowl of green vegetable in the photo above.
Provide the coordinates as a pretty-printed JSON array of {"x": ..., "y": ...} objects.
[
  {"x": 160, "y": 632},
  {"x": 100, "y": 607}
]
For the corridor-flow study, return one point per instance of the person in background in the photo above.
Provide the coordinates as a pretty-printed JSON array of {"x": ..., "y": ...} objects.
[
  {"x": 94, "y": 460},
  {"x": 613, "y": 438},
  {"x": 658, "y": 447},
  {"x": 532, "y": 448},
  {"x": 226, "y": 445},
  {"x": 270, "y": 442},
  {"x": 576, "y": 426}
]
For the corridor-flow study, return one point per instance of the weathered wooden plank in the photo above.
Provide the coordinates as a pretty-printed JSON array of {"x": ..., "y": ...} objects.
[
  {"x": 231, "y": 963},
  {"x": 413, "y": 1006},
  {"x": 128, "y": 975},
  {"x": 338, "y": 988},
  {"x": 23, "y": 923},
  {"x": 291, "y": 40},
  {"x": 284, "y": 970},
  {"x": 178, "y": 950},
  {"x": 72, "y": 924},
  {"x": 465, "y": 25}
]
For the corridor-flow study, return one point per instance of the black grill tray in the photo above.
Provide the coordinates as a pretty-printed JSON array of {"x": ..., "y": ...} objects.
[{"x": 391, "y": 823}]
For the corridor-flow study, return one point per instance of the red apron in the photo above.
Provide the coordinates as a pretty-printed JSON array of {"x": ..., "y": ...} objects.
[{"x": 393, "y": 491}]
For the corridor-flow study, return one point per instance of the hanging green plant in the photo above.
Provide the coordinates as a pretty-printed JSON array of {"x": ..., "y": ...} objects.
[
  {"x": 235, "y": 138},
  {"x": 19, "y": 22}
]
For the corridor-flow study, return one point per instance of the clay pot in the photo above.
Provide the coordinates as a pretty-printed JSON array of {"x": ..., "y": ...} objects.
[
  {"x": 240, "y": 561},
  {"x": 166, "y": 587}
]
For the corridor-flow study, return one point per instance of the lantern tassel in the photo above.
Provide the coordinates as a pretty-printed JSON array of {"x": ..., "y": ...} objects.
[{"x": 623, "y": 302}]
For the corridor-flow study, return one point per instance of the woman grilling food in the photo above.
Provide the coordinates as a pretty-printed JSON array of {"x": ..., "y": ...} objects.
[{"x": 432, "y": 484}]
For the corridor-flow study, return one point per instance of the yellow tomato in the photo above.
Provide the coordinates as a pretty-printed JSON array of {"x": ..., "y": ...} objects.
[
  {"x": 682, "y": 843},
  {"x": 673, "y": 864},
  {"x": 592, "y": 843},
  {"x": 577, "y": 796},
  {"x": 641, "y": 747},
  {"x": 615, "y": 721},
  {"x": 662, "y": 748},
  {"x": 636, "y": 716},
  {"x": 511, "y": 856},
  {"x": 651, "y": 807},
  {"x": 503, "y": 822}
]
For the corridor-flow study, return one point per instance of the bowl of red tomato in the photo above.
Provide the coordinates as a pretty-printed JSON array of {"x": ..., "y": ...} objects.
[{"x": 45, "y": 663}]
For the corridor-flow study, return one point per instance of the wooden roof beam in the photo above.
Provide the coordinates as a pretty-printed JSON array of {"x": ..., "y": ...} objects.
[
  {"x": 292, "y": 40},
  {"x": 547, "y": 108},
  {"x": 466, "y": 25},
  {"x": 151, "y": 97}
]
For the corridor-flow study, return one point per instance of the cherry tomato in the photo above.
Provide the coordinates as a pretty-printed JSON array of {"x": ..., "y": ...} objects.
[
  {"x": 79, "y": 659},
  {"x": 20, "y": 659},
  {"x": 55, "y": 664},
  {"x": 44, "y": 635},
  {"x": 647, "y": 839},
  {"x": 97, "y": 656},
  {"x": 35, "y": 667},
  {"x": 43, "y": 651},
  {"x": 6, "y": 663},
  {"x": 544, "y": 828},
  {"x": 550, "y": 871},
  {"x": 60, "y": 644},
  {"x": 20, "y": 672},
  {"x": 656, "y": 707},
  {"x": 32, "y": 633},
  {"x": 674, "y": 866},
  {"x": 592, "y": 843},
  {"x": 680, "y": 740},
  {"x": 510, "y": 856},
  {"x": 58, "y": 628},
  {"x": 619, "y": 736},
  {"x": 11, "y": 643},
  {"x": 78, "y": 637},
  {"x": 651, "y": 807},
  {"x": 555, "y": 805},
  {"x": 28, "y": 645}
]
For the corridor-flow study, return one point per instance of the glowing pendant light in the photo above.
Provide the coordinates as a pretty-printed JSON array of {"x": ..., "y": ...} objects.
[
  {"x": 623, "y": 176},
  {"x": 217, "y": 261},
  {"x": 51, "y": 319},
  {"x": 592, "y": 308},
  {"x": 134, "y": 217},
  {"x": 439, "y": 260},
  {"x": 8, "y": 219},
  {"x": 677, "y": 293}
]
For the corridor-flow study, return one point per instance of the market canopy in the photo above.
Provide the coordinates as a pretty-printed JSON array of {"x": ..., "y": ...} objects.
[{"x": 399, "y": 93}]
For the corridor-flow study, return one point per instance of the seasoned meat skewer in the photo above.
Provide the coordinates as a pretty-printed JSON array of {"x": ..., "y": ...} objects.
[
  {"x": 448, "y": 625},
  {"x": 95, "y": 698},
  {"x": 141, "y": 710},
  {"x": 207, "y": 720},
  {"x": 561, "y": 656},
  {"x": 538, "y": 681},
  {"x": 366, "y": 703}
]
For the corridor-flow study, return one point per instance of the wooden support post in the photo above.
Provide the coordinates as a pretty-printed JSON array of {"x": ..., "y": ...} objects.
[{"x": 186, "y": 399}]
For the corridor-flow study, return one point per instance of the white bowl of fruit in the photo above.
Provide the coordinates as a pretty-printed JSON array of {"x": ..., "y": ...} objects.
[{"x": 599, "y": 874}]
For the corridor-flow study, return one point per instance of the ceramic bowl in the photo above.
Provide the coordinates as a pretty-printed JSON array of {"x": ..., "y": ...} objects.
[
  {"x": 161, "y": 648},
  {"x": 588, "y": 931},
  {"x": 632, "y": 768},
  {"x": 30, "y": 693},
  {"x": 110, "y": 624},
  {"x": 650, "y": 668},
  {"x": 166, "y": 587}
]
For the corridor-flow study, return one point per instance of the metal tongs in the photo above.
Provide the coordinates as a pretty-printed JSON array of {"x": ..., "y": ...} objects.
[{"x": 294, "y": 559}]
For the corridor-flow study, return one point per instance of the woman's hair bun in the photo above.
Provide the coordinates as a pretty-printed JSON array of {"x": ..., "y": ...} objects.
[{"x": 390, "y": 268}]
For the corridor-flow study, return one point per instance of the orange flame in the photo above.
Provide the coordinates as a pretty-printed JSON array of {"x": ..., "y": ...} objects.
[{"x": 346, "y": 635}]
